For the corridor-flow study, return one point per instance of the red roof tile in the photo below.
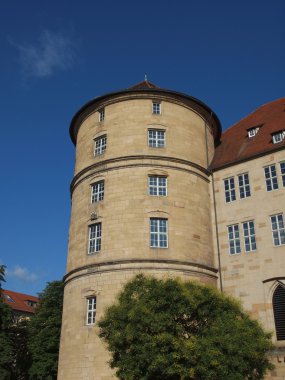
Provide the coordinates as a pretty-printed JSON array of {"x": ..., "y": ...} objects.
[
  {"x": 235, "y": 144},
  {"x": 19, "y": 301},
  {"x": 142, "y": 85}
]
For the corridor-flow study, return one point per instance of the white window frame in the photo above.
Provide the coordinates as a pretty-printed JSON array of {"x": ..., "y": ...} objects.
[
  {"x": 95, "y": 237},
  {"x": 91, "y": 310},
  {"x": 234, "y": 239},
  {"x": 157, "y": 186},
  {"x": 156, "y": 138},
  {"x": 278, "y": 137},
  {"x": 271, "y": 178},
  {"x": 101, "y": 114},
  {"x": 158, "y": 233},
  {"x": 230, "y": 190},
  {"x": 252, "y": 132},
  {"x": 249, "y": 236},
  {"x": 100, "y": 145},
  {"x": 97, "y": 191},
  {"x": 156, "y": 108},
  {"x": 278, "y": 230},
  {"x": 244, "y": 185},
  {"x": 282, "y": 170}
]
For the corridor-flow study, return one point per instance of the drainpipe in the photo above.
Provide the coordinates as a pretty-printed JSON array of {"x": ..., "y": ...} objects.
[{"x": 215, "y": 205}]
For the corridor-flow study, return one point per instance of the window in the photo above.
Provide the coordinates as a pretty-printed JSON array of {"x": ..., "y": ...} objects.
[
  {"x": 230, "y": 192},
  {"x": 234, "y": 239},
  {"x": 95, "y": 231},
  {"x": 157, "y": 185},
  {"x": 249, "y": 236},
  {"x": 31, "y": 303},
  {"x": 278, "y": 137},
  {"x": 8, "y": 298},
  {"x": 252, "y": 132},
  {"x": 102, "y": 114},
  {"x": 244, "y": 187},
  {"x": 282, "y": 169},
  {"x": 156, "y": 138},
  {"x": 156, "y": 108},
  {"x": 278, "y": 231},
  {"x": 271, "y": 178},
  {"x": 278, "y": 303},
  {"x": 91, "y": 310},
  {"x": 158, "y": 233},
  {"x": 97, "y": 192},
  {"x": 100, "y": 145}
]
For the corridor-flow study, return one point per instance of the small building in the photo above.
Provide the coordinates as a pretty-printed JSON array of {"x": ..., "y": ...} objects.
[{"x": 22, "y": 305}]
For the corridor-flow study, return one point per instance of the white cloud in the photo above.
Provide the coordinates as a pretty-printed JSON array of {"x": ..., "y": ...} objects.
[
  {"x": 22, "y": 274},
  {"x": 52, "y": 52}
]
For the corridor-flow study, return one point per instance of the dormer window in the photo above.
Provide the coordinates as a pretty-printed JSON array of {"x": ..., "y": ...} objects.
[
  {"x": 8, "y": 298},
  {"x": 278, "y": 137},
  {"x": 252, "y": 132},
  {"x": 31, "y": 303}
]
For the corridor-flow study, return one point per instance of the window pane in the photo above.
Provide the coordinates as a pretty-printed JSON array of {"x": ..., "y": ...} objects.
[
  {"x": 234, "y": 239},
  {"x": 278, "y": 231},
  {"x": 158, "y": 233}
]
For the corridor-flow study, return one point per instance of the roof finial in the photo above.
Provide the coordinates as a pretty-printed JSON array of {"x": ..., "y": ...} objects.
[{"x": 145, "y": 77}]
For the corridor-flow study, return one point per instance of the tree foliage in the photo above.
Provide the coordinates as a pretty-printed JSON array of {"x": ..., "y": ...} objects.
[
  {"x": 21, "y": 354},
  {"x": 166, "y": 329},
  {"x": 44, "y": 333},
  {"x": 6, "y": 345}
]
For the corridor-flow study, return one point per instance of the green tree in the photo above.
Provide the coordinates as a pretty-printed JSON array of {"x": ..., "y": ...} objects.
[
  {"x": 21, "y": 354},
  {"x": 44, "y": 333},
  {"x": 170, "y": 330},
  {"x": 6, "y": 346}
]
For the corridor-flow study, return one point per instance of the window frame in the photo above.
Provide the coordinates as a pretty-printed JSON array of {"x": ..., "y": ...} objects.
[
  {"x": 234, "y": 239},
  {"x": 278, "y": 137},
  {"x": 282, "y": 172},
  {"x": 158, "y": 236},
  {"x": 271, "y": 182},
  {"x": 157, "y": 189},
  {"x": 97, "y": 195},
  {"x": 278, "y": 232},
  {"x": 244, "y": 188},
  {"x": 91, "y": 310},
  {"x": 94, "y": 242},
  {"x": 154, "y": 141},
  {"x": 156, "y": 108},
  {"x": 249, "y": 236},
  {"x": 231, "y": 191},
  {"x": 252, "y": 132},
  {"x": 101, "y": 112},
  {"x": 102, "y": 146}
]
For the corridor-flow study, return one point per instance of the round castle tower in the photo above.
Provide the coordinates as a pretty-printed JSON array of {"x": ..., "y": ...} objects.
[{"x": 140, "y": 204}]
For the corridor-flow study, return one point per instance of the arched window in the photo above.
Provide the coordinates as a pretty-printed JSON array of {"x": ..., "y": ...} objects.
[{"x": 278, "y": 302}]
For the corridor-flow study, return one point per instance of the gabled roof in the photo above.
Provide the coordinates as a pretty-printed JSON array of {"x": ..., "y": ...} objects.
[
  {"x": 144, "y": 84},
  {"x": 235, "y": 144},
  {"x": 18, "y": 301}
]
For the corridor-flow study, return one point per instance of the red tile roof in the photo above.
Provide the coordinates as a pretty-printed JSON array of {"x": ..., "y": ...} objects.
[
  {"x": 235, "y": 144},
  {"x": 143, "y": 84},
  {"x": 20, "y": 301}
]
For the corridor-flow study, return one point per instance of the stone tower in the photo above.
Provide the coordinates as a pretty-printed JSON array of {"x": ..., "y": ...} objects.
[{"x": 140, "y": 203}]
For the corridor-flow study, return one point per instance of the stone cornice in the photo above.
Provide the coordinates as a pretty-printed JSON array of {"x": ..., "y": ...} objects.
[
  {"x": 139, "y": 265},
  {"x": 131, "y": 161}
]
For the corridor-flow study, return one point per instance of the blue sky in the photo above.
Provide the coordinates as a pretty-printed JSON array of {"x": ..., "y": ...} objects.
[{"x": 55, "y": 56}]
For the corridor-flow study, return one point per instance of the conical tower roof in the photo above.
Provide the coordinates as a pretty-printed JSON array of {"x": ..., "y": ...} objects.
[{"x": 143, "y": 85}]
